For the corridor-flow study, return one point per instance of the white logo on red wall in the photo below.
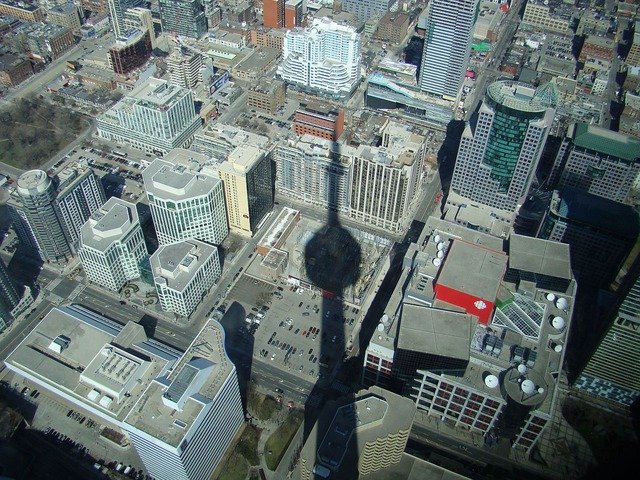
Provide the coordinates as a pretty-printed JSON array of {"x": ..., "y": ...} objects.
[{"x": 480, "y": 305}]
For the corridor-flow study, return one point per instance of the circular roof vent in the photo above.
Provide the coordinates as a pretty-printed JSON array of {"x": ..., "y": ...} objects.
[
  {"x": 528, "y": 386},
  {"x": 491, "y": 381}
]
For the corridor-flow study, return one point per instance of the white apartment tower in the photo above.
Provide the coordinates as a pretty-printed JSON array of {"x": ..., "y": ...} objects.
[
  {"x": 183, "y": 273},
  {"x": 447, "y": 45},
  {"x": 112, "y": 245},
  {"x": 315, "y": 171},
  {"x": 323, "y": 58},
  {"x": 155, "y": 117},
  {"x": 186, "y": 201},
  {"x": 385, "y": 179},
  {"x": 184, "y": 67},
  {"x": 141, "y": 19}
]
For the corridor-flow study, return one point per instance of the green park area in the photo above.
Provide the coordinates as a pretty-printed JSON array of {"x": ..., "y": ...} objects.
[
  {"x": 279, "y": 441},
  {"x": 244, "y": 455},
  {"x": 261, "y": 406},
  {"x": 32, "y": 131}
]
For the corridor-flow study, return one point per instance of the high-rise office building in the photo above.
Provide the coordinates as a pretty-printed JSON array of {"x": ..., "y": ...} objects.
[
  {"x": 273, "y": 13},
  {"x": 186, "y": 198},
  {"x": 79, "y": 194},
  {"x": 323, "y": 58},
  {"x": 130, "y": 51},
  {"x": 155, "y": 117},
  {"x": 117, "y": 10},
  {"x": 181, "y": 410},
  {"x": 9, "y": 297},
  {"x": 447, "y": 45},
  {"x": 500, "y": 148},
  {"x": 365, "y": 10},
  {"x": 183, "y": 17},
  {"x": 183, "y": 273},
  {"x": 33, "y": 208},
  {"x": 378, "y": 423},
  {"x": 612, "y": 371},
  {"x": 598, "y": 161},
  {"x": 112, "y": 245},
  {"x": 248, "y": 190},
  {"x": 48, "y": 213}
]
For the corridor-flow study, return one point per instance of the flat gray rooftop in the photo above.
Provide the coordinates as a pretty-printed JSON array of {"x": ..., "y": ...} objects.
[
  {"x": 438, "y": 332},
  {"x": 472, "y": 269},
  {"x": 540, "y": 256}
]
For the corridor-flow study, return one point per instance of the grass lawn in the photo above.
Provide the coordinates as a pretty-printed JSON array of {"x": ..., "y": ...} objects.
[
  {"x": 33, "y": 130},
  {"x": 261, "y": 406},
  {"x": 279, "y": 440},
  {"x": 248, "y": 445},
  {"x": 236, "y": 468}
]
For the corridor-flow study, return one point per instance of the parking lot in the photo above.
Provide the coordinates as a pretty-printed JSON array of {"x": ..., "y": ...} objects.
[{"x": 294, "y": 325}]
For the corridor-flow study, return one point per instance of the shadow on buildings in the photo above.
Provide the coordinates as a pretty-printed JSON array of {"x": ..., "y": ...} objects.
[
  {"x": 239, "y": 344},
  {"x": 447, "y": 155}
]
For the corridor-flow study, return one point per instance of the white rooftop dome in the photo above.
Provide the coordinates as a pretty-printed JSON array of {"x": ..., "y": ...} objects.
[
  {"x": 491, "y": 381},
  {"x": 551, "y": 297},
  {"x": 437, "y": 262},
  {"x": 436, "y": 239},
  {"x": 562, "y": 303},
  {"x": 557, "y": 323},
  {"x": 522, "y": 369},
  {"x": 528, "y": 386}
]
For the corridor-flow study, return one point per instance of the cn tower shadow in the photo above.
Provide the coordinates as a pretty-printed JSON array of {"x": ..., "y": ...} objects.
[{"x": 332, "y": 262}]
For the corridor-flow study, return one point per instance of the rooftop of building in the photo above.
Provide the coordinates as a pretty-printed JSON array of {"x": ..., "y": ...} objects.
[
  {"x": 33, "y": 182},
  {"x": 605, "y": 141},
  {"x": 600, "y": 41},
  {"x": 21, "y": 4},
  {"x": 594, "y": 211},
  {"x": 268, "y": 86},
  {"x": 128, "y": 38},
  {"x": 231, "y": 136},
  {"x": 66, "y": 8},
  {"x": 401, "y": 148},
  {"x": 539, "y": 256},
  {"x": 342, "y": 18},
  {"x": 182, "y": 174},
  {"x": 175, "y": 265},
  {"x": 258, "y": 59},
  {"x": 156, "y": 94},
  {"x": 98, "y": 362},
  {"x": 108, "y": 224},
  {"x": 171, "y": 405},
  {"x": 242, "y": 159},
  {"x": 324, "y": 25},
  {"x": 319, "y": 108},
  {"x": 528, "y": 325},
  {"x": 472, "y": 269},
  {"x": 435, "y": 331},
  {"x": 374, "y": 414},
  {"x": 523, "y": 97}
]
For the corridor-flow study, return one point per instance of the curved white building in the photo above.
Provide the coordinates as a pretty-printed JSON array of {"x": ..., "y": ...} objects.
[{"x": 324, "y": 57}]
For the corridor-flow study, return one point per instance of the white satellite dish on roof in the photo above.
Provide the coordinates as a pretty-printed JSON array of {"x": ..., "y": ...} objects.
[
  {"x": 437, "y": 239},
  {"x": 440, "y": 246},
  {"x": 551, "y": 297},
  {"x": 437, "y": 262},
  {"x": 528, "y": 386},
  {"x": 491, "y": 381},
  {"x": 557, "y": 348},
  {"x": 440, "y": 254},
  {"x": 381, "y": 327},
  {"x": 385, "y": 319},
  {"x": 557, "y": 323},
  {"x": 540, "y": 390},
  {"x": 522, "y": 369},
  {"x": 562, "y": 303}
]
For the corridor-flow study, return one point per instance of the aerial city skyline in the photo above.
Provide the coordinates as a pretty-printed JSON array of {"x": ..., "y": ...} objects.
[{"x": 319, "y": 239}]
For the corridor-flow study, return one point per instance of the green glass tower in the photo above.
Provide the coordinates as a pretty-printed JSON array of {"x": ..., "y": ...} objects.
[{"x": 501, "y": 146}]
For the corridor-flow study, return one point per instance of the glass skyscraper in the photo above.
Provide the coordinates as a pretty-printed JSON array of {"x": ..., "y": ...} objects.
[
  {"x": 501, "y": 146},
  {"x": 183, "y": 17},
  {"x": 447, "y": 44}
]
